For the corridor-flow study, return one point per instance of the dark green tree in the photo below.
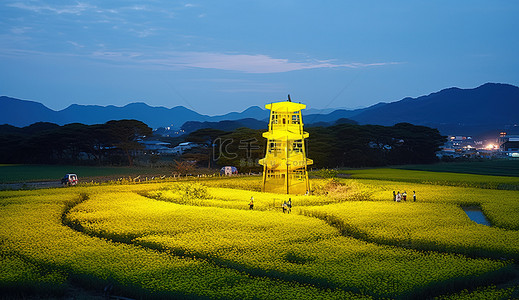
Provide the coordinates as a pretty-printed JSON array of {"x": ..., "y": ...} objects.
[
  {"x": 204, "y": 155},
  {"x": 124, "y": 135}
]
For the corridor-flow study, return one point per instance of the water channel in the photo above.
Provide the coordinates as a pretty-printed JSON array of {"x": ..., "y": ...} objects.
[{"x": 476, "y": 214}]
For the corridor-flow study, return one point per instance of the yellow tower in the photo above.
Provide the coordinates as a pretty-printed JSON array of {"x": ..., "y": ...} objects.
[{"x": 285, "y": 163}]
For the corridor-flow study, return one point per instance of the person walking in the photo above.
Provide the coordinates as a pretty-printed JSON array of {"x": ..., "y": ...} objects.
[
  {"x": 251, "y": 203},
  {"x": 289, "y": 205},
  {"x": 414, "y": 196},
  {"x": 285, "y": 206}
]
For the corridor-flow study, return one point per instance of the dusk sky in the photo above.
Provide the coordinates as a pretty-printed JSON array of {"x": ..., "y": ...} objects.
[{"x": 220, "y": 56}]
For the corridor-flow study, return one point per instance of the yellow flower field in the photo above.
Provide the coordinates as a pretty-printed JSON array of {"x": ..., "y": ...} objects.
[{"x": 198, "y": 239}]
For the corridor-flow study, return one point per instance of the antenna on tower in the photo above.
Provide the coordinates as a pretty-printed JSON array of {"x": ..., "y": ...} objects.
[{"x": 289, "y": 98}]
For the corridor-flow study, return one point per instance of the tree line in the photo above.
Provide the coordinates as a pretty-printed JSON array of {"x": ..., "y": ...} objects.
[
  {"x": 341, "y": 145},
  {"x": 111, "y": 143},
  {"x": 117, "y": 143}
]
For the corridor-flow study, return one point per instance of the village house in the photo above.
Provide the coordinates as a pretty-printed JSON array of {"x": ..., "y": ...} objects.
[{"x": 509, "y": 144}]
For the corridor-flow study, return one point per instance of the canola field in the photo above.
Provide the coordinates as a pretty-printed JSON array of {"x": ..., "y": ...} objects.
[{"x": 198, "y": 239}]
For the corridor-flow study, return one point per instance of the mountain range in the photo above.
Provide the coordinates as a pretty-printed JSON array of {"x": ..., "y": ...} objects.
[{"x": 492, "y": 106}]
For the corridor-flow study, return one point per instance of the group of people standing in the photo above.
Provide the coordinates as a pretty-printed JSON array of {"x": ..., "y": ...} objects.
[
  {"x": 397, "y": 197},
  {"x": 287, "y": 205}
]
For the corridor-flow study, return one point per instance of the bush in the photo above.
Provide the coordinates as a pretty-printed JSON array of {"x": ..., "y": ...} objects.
[
  {"x": 182, "y": 193},
  {"x": 327, "y": 173}
]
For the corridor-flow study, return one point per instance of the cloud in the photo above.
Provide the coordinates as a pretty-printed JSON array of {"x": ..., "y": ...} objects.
[
  {"x": 75, "y": 44},
  {"x": 20, "y": 30},
  {"x": 243, "y": 63},
  {"x": 116, "y": 55},
  {"x": 76, "y": 9},
  {"x": 137, "y": 7},
  {"x": 234, "y": 85},
  {"x": 259, "y": 89},
  {"x": 143, "y": 33},
  {"x": 249, "y": 63}
]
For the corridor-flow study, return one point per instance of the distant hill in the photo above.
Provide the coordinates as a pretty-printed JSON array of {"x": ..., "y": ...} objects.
[
  {"x": 153, "y": 116},
  {"x": 492, "y": 106},
  {"x": 22, "y": 113},
  {"x": 253, "y": 112},
  {"x": 28, "y": 130},
  {"x": 226, "y": 125},
  {"x": 453, "y": 110},
  {"x": 335, "y": 115}
]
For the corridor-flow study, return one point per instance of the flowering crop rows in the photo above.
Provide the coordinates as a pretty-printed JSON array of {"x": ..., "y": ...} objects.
[
  {"x": 31, "y": 230},
  {"x": 485, "y": 293},
  {"x": 426, "y": 226},
  {"x": 438, "y": 178},
  {"x": 199, "y": 239},
  {"x": 500, "y": 206}
]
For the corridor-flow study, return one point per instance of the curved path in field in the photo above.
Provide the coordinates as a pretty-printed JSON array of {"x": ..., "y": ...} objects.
[
  {"x": 424, "y": 293},
  {"x": 223, "y": 263}
]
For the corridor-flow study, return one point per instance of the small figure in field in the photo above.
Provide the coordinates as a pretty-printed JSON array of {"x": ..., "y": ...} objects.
[
  {"x": 394, "y": 196},
  {"x": 414, "y": 196},
  {"x": 398, "y": 197},
  {"x": 285, "y": 206},
  {"x": 404, "y": 196},
  {"x": 251, "y": 203},
  {"x": 289, "y": 205}
]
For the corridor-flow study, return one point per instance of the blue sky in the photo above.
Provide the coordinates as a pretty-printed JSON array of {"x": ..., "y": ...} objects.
[{"x": 220, "y": 56}]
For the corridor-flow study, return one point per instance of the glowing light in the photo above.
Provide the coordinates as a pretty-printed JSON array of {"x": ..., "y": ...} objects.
[{"x": 285, "y": 163}]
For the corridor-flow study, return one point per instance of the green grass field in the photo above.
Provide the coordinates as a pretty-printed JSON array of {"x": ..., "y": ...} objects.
[
  {"x": 484, "y": 167},
  {"x": 197, "y": 239},
  {"x": 437, "y": 178},
  {"x": 25, "y": 173}
]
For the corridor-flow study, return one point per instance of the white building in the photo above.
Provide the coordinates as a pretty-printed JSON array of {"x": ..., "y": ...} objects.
[
  {"x": 183, "y": 147},
  {"x": 157, "y": 147},
  {"x": 509, "y": 144}
]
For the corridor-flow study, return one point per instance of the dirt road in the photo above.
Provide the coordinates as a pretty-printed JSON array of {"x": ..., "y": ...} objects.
[{"x": 30, "y": 185}]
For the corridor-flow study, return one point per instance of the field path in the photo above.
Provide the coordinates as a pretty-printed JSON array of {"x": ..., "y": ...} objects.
[{"x": 502, "y": 277}]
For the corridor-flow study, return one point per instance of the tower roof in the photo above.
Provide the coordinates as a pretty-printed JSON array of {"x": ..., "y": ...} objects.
[{"x": 285, "y": 106}]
